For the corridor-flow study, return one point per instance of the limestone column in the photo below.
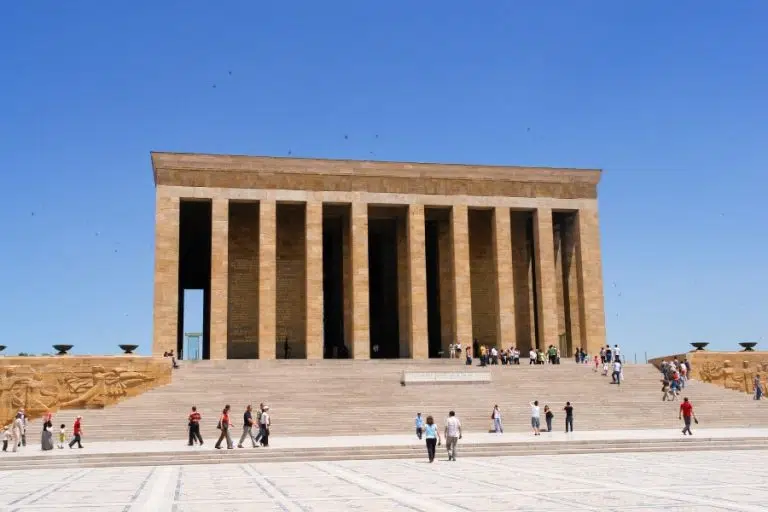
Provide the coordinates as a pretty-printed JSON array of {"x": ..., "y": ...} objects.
[
  {"x": 219, "y": 278},
  {"x": 166, "y": 300},
  {"x": 361, "y": 344},
  {"x": 267, "y": 278},
  {"x": 314, "y": 277},
  {"x": 462, "y": 291},
  {"x": 590, "y": 272},
  {"x": 505, "y": 290},
  {"x": 546, "y": 282},
  {"x": 417, "y": 270}
]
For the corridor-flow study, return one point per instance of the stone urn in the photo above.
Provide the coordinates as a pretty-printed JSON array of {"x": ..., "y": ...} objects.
[
  {"x": 62, "y": 349},
  {"x": 748, "y": 346},
  {"x": 699, "y": 345},
  {"x": 128, "y": 349},
  {"x": 2, "y": 347}
]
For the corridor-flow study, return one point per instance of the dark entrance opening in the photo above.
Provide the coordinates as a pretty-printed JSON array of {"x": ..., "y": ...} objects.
[
  {"x": 195, "y": 265},
  {"x": 529, "y": 243},
  {"x": 433, "y": 287},
  {"x": 383, "y": 288},
  {"x": 333, "y": 285}
]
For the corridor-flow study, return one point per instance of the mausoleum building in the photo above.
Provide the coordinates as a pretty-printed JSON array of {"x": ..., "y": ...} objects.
[{"x": 310, "y": 258}]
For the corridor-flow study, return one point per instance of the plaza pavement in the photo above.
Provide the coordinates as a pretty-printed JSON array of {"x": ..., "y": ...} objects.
[
  {"x": 641, "y": 482},
  {"x": 472, "y": 438}
]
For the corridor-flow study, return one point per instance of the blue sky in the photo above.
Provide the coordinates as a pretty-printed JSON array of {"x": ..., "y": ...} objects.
[{"x": 668, "y": 97}]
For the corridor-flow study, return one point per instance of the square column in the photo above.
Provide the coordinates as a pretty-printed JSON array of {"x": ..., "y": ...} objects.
[
  {"x": 590, "y": 276},
  {"x": 417, "y": 272},
  {"x": 462, "y": 291},
  {"x": 219, "y": 278},
  {"x": 314, "y": 277},
  {"x": 267, "y": 278},
  {"x": 546, "y": 281},
  {"x": 166, "y": 301},
  {"x": 505, "y": 289},
  {"x": 358, "y": 222}
]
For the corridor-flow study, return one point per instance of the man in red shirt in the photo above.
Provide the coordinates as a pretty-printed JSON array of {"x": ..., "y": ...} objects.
[
  {"x": 77, "y": 431},
  {"x": 194, "y": 427},
  {"x": 686, "y": 413}
]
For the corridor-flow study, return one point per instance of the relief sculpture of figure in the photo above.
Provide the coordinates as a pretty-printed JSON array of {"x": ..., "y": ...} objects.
[
  {"x": 101, "y": 386},
  {"x": 40, "y": 397},
  {"x": 711, "y": 372}
]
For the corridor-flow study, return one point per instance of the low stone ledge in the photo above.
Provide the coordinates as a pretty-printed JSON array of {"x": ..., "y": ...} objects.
[{"x": 415, "y": 378}]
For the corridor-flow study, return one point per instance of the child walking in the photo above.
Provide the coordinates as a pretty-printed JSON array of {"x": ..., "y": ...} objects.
[{"x": 62, "y": 435}]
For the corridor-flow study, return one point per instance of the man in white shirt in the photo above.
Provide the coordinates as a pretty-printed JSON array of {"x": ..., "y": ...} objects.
[
  {"x": 617, "y": 372},
  {"x": 494, "y": 356},
  {"x": 535, "y": 417},
  {"x": 265, "y": 422},
  {"x": 452, "y": 434},
  {"x": 532, "y": 357}
]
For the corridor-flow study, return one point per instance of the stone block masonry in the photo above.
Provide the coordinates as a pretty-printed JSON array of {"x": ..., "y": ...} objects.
[{"x": 496, "y": 267}]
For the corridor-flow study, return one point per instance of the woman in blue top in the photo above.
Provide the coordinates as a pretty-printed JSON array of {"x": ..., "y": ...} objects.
[{"x": 433, "y": 438}]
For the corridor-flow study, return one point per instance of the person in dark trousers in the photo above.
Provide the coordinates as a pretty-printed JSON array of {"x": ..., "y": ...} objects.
[
  {"x": 224, "y": 424},
  {"x": 686, "y": 413},
  {"x": 194, "y": 427},
  {"x": 419, "y": 425},
  {"x": 568, "y": 417},
  {"x": 548, "y": 417},
  {"x": 77, "y": 433},
  {"x": 432, "y": 436},
  {"x": 266, "y": 421}
]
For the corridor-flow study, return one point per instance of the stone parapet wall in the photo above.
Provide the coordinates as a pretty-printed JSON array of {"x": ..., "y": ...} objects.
[
  {"x": 731, "y": 370},
  {"x": 49, "y": 384}
]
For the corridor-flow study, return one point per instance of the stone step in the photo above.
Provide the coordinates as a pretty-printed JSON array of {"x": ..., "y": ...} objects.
[{"x": 207, "y": 456}]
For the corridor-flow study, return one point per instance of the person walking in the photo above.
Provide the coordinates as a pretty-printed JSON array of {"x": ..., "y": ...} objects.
[
  {"x": 224, "y": 424},
  {"x": 432, "y": 435},
  {"x": 617, "y": 372},
  {"x": 452, "y": 434},
  {"x": 62, "y": 436},
  {"x": 496, "y": 417},
  {"x": 46, "y": 440},
  {"x": 758, "y": 388},
  {"x": 23, "y": 427},
  {"x": 568, "y": 417},
  {"x": 686, "y": 413},
  {"x": 247, "y": 428},
  {"x": 77, "y": 433},
  {"x": 535, "y": 417},
  {"x": 260, "y": 433},
  {"x": 266, "y": 422},
  {"x": 419, "y": 425},
  {"x": 194, "y": 427},
  {"x": 548, "y": 417},
  {"x": 16, "y": 429}
]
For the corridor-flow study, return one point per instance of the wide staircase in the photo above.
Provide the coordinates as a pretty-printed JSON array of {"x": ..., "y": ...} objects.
[{"x": 346, "y": 397}]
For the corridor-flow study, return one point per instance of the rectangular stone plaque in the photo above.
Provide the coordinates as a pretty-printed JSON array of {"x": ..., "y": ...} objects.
[{"x": 410, "y": 378}]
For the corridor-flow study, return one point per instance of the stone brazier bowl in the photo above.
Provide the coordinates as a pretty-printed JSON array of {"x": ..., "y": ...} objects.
[
  {"x": 63, "y": 349},
  {"x": 128, "y": 349},
  {"x": 748, "y": 346},
  {"x": 699, "y": 345}
]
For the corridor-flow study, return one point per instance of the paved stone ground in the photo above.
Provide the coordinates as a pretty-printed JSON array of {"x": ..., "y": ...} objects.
[
  {"x": 688, "y": 481},
  {"x": 277, "y": 442}
]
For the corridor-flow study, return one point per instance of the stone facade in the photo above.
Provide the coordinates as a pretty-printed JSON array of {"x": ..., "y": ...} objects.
[
  {"x": 390, "y": 259},
  {"x": 49, "y": 384},
  {"x": 731, "y": 370}
]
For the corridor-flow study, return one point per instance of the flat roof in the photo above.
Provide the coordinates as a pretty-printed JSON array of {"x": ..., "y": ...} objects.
[{"x": 190, "y": 162}]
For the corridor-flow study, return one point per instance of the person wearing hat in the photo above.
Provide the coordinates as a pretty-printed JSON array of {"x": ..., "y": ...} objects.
[
  {"x": 77, "y": 432},
  {"x": 264, "y": 423}
]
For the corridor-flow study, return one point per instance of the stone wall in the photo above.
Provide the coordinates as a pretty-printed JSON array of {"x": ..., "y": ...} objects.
[
  {"x": 40, "y": 384},
  {"x": 731, "y": 370}
]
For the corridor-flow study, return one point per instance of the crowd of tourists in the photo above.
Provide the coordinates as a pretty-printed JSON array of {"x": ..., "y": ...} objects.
[
  {"x": 256, "y": 429},
  {"x": 15, "y": 434}
]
